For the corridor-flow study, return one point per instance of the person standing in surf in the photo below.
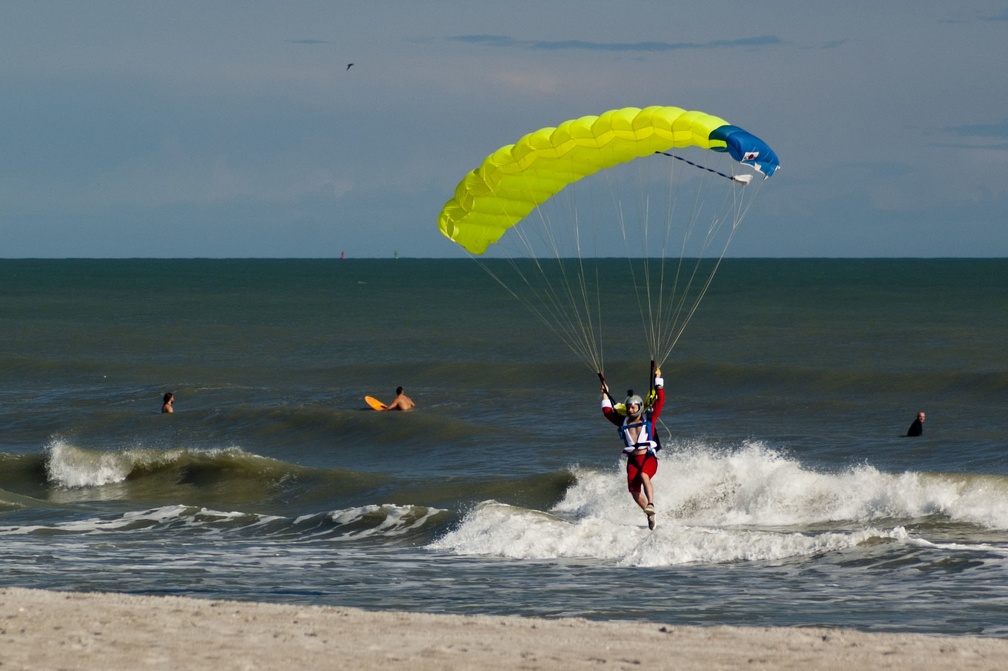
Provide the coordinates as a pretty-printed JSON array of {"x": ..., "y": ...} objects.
[{"x": 640, "y": 442}]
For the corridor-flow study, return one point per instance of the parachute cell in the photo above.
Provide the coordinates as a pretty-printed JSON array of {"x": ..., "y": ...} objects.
[{"x": 516, "y": 178}]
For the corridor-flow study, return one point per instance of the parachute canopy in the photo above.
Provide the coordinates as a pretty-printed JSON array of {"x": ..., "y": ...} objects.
[
  {"x": 599, "y": 216},
  {"x": 516, "y": 178}
]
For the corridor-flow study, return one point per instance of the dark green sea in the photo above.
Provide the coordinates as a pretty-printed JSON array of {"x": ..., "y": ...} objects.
[{"x": 787, "y": 493}]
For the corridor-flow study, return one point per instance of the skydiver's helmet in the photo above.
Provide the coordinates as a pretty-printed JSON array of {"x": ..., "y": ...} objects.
[{"x": 631, "y": 400}]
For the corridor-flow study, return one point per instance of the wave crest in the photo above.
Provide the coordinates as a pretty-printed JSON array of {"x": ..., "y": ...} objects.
[{"x": 747, "y": 504}]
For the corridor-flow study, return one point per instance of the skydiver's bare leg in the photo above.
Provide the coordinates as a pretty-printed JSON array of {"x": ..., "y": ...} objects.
[
  {"x": 648, "y": 495},
  {"x": 648, "y": 490},
  {"x": 641, "y": 499}
]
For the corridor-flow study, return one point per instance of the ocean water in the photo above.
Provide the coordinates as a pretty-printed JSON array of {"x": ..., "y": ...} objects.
[{"x": 786, "y": 492}]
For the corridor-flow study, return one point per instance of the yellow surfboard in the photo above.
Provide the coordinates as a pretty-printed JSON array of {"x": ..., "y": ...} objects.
[{"x": 375, "y": 403}]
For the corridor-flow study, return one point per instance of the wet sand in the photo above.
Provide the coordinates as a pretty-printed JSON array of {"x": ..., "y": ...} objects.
[{"x": 56, "y": 630}]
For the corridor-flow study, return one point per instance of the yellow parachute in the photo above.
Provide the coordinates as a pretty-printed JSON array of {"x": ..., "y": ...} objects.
[
  {"x": 516, "y": 178},
  {"x": 564, "y": 263}
]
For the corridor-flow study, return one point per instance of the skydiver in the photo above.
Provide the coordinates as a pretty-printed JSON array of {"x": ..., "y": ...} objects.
[{"x": 640, "y": 441}]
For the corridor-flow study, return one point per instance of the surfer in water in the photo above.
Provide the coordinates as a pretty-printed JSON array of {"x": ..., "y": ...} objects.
[
  {"x": 640, "y": 441},
  {"x": 917, "y": 428},
  {"x": 166, "y": 404},
  {"x": 401, "y": 401}
]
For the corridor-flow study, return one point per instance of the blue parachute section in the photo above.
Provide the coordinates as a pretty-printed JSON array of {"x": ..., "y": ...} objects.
[{"x": 746, "y": 148}]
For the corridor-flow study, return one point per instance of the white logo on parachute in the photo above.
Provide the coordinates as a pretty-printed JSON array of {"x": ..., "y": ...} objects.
[{"x": 751, "y": 156}]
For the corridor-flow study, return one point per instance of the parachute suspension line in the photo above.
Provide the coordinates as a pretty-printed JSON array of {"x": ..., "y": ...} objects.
[
  {"x": 672, "y": 332},
  {"x": 681, "y": 280},
  {"x": 740, "y": 207},
  {"x": 667, "y": 301},
  {"x": 655, "y": 295},
  {"x": 685, "y": 276},
  {"x": 670, "y": 268},
  {"x": 645, "y": 311},
  {"x": 680, "y": 284},
  {"x": 585, "y": 320},
  {"x": 680, "y": 290},
  {"x": 548, "y": 307},
  {"x": 648, "y": 283},
  {"x": 559, "y": 297},
  {"x": 644, "y": 305},
  {"x": 660, "y": 306},
  {"x": 589, "y": 328}
]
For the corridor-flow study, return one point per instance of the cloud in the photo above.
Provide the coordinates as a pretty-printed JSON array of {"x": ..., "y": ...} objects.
[
  {"x": 502, "y": 41},
  {"x": 1003, "y": 16},
  {"x": 998, "y": 130},
  {"x": 965, "y": 17},
  {"x": 962, "y": 145}
]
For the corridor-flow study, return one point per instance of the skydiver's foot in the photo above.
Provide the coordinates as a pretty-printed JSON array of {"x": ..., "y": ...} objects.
[{"x": 649, "y": 511}]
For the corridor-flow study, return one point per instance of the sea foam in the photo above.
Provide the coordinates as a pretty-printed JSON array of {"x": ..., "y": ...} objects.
[{"x": 747, "y": 504}]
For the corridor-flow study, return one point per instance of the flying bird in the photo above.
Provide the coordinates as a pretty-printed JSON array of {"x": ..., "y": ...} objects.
[{"x": 349, "y": 65}]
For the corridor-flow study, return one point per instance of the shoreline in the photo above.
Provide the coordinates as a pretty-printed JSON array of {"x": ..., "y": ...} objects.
[{"x": 83, "y": 630}]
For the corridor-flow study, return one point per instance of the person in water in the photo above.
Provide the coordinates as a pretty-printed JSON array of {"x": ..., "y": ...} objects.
[
  {"x": 166, "y": 405},
  {"x": 401, "y": 401},
  {"x": 640, "y": 441},
  {"x": 917, "y": 428}
]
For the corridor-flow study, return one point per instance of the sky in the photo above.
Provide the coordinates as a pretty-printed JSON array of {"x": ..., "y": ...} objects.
[{"x": 235, "y": 128}]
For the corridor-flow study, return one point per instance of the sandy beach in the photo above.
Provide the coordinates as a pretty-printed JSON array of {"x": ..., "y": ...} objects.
[{"x": 55, "y": 630}]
